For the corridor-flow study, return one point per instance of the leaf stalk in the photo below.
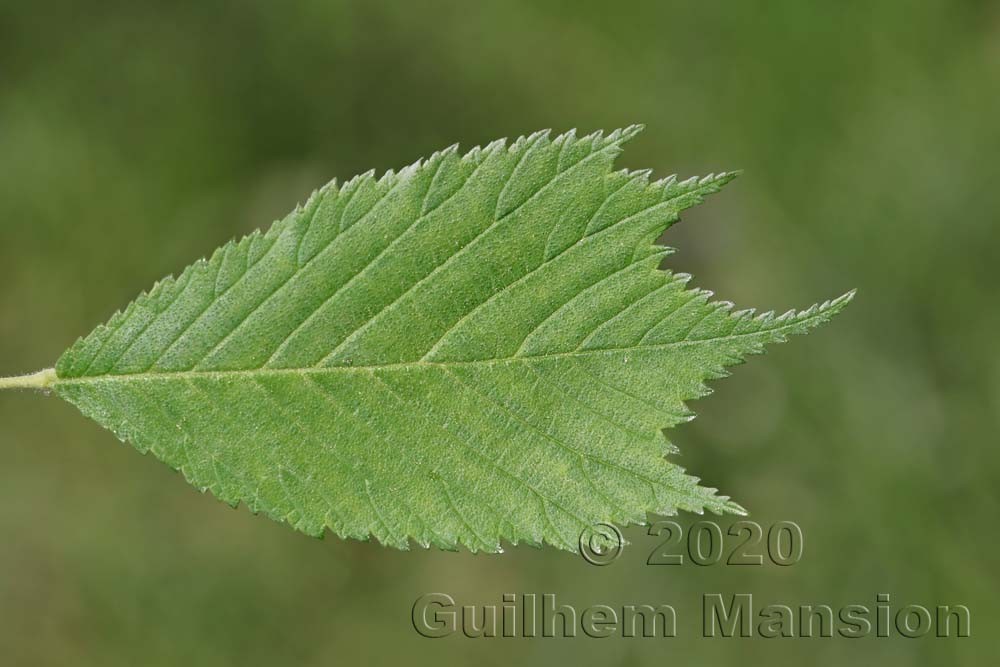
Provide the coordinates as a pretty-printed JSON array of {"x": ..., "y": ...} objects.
[{"x": 40, "y": 380}]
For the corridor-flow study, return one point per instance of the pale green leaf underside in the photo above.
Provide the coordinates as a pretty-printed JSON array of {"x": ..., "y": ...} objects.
[{"x": 477, "y": 348}]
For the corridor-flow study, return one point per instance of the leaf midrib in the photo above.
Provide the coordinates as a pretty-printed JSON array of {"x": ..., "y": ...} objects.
[{"x": 318, "y": 370}]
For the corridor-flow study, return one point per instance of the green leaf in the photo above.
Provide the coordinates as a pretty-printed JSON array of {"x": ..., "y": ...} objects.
[{"x": 477, "y": 348}]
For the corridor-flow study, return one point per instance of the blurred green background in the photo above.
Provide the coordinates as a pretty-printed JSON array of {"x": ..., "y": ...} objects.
[{"x": 138, "y": 136}]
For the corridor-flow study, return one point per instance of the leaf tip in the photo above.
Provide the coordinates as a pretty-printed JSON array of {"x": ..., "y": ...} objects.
[
  {"x": 834, "y": 306},
  {"x": 734, "y": 508}
]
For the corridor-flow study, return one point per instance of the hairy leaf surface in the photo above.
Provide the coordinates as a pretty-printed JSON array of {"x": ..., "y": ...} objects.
[{"x": 476, "y": 349}]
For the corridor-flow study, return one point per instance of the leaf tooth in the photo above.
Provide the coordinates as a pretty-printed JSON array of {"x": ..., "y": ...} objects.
[
  {"x": 701, "y": 295},
  {"x": 717, "y": 373},
  {"x": 495, "y": 146},
  {"x": 626, "y": 134},
  {"x": 161, "y": 286},
  {"x": 473, "y": 155},
  {"x": 568, "y": 136},
  {"x": 665, "y": 250},
  {"x": 787, "y": 315},
  {"x": 636, "y": 175},
  {"x": 733, "y": 507},
  {"x": 594, "y": 137},
  {"x": 355, "y": 181},
  {"x": 517, "y": 145},
  {"x": 765, "y": 317},
  {"x": 813, "y": 309},
  {"x": 523, "y": 142},
  {"x": 614, "y": 136},
  {"x": 666, "y": 182},
  {"x": 443, "y": 154}
]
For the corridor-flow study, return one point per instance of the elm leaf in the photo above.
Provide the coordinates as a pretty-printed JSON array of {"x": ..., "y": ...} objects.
[{"x": 475, "y": 349}]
